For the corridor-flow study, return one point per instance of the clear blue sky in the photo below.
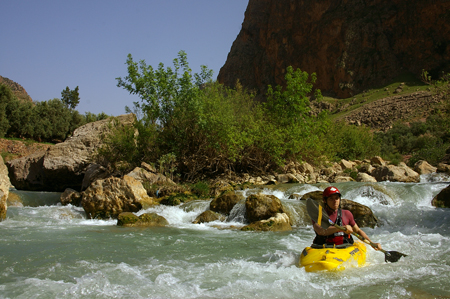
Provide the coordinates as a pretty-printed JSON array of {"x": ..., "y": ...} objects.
[{"x": 47, "y": 45}]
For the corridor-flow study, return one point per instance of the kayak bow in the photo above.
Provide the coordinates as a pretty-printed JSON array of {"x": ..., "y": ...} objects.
[{"x": 333, "y": 258}]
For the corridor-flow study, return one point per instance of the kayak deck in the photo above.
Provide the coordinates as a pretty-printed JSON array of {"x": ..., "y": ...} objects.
[{"x": 333, "y": 258}]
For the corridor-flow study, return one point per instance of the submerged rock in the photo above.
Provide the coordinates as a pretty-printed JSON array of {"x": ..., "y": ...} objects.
[
  {"x": 14, "y": 200},
  {"x": 70, "y": 196},
  {"x": 225, "y": 203},
  {"x": 128, "y": 219},
  {"x": 209, "y": 216},
  {"x": 442, "y": 200},
  {"x": 279, "y": 222}
]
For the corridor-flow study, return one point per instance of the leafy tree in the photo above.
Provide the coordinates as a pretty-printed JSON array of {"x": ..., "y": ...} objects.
[
  {"x": 6, "y": 98},
  {"x": 165, "y": 91},
  {"x": 52, "y": 120},
  {"x": 295, "y": 133},
  {"x": 291, "y": 104},
  {"x": 351, "y": 142},
  {"x": 71, "y": 98}
]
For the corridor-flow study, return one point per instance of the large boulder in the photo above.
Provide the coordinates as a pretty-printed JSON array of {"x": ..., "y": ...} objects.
[
  {"x": 143, "y": 175},
  {"x": 108, "y": 198},
  {"x": 442, "y": 167},
  {"x": 364, "y": 177},
  {"x": 362, "y": 214},
  {"x": 401, "y": 173},
  {"x": 92, "y": 173},
  {"x": 5, "y": 184},
  {"x": 279, "y": 222},
  {"x": 262, "y": 207},
  {"x": 423, "y": 167},
  {"x": 442, "y": 200},
  {"x": 64, "y": 164},
  {"x": 225, "y": 202}
]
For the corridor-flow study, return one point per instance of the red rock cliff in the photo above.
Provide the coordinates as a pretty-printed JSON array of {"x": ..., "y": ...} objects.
[{"x": 351, "y": 44}]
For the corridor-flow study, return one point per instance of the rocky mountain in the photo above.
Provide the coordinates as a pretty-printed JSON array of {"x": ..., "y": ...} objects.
[
  {"x": 16, "y": 88},
  {"x": 352, "y": 45}
]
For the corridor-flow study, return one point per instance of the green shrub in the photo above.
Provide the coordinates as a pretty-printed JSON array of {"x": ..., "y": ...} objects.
[
  {"x": 351, "y": 142},
  {"x": 118, "y": 150},
  {"x": 433, "y": 153},
  {"x": 201, "y": 189}
]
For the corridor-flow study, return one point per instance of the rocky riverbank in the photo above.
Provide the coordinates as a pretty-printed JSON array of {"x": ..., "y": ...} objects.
[{"x": 67, "y": 167}]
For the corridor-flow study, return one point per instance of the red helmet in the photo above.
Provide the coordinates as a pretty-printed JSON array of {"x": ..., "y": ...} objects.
[{"x": 330, "y": 191}]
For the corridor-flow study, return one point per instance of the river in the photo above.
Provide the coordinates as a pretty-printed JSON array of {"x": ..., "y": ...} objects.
[{"x": 53, "y": 251}]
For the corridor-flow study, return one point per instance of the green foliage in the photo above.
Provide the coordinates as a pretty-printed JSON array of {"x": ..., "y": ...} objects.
[
  {"x": 193, "y": 127},
  {"x": 167, "y": 164},
  {"x": 422, "y": 140},
  {"x": 432, "y": 152},
  {"x": 201, "y": 189},
  {"x": 70, "y": 98},
  {"x": 92, "y": 117},
  {"x": 118, "y": 149},
  {"x": 165, "y": 92},
  {"x": 352, "y": 142},
  {"x": 293, "y": 133},
  {"x": 196, "y": 127},
  {"x": 52, "y": 120},
  {"x": 6, "y": 99},
  {"x": 175, "y": 199},
  {"x": 291, "y": 104}
]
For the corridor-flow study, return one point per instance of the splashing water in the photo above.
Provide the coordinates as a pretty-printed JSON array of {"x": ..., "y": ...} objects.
[{"x": 53, "y": 251}]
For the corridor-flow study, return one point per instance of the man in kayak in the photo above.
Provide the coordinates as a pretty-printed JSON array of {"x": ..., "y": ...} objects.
[{"x": 333, "y": 235}]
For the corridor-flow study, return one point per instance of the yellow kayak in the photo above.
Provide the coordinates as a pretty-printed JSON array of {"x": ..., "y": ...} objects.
[{"x": 335, "y": 258}]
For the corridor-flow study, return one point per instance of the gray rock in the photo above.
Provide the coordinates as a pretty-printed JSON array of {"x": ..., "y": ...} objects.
[
  {"x": 128, "y": 219},
  {"x": 93, "y": 172},
  {"x": 108, "y": 198},
  {"x": 442, "y": 200},
  {"x": 70, "y": 196},
  {"x": 225, "y": 202},
  {"x": 278, "y": 222},
  {"x": 423, "y": 167},
  {"x": 401, "y": 173},
  {"x": 5, "y": 184},
  {"x": 64, "y": 164},
  {"x": 262, "y": 207},
  {"x": 143, "y": 175},
  {"x": 364, "y": 177},
  {"x": 209, "y": 216}
]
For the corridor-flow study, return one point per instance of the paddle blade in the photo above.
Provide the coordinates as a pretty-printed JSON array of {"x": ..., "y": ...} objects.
[
  {"x": 392, "y": 256},
  {"x": 312, "y": 207}
]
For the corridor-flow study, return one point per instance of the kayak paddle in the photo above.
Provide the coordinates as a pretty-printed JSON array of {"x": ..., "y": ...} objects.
[{"x": 320, "y": 216}]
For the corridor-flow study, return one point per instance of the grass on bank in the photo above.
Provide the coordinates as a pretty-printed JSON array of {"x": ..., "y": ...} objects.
[{"x": 409, "y": 82}]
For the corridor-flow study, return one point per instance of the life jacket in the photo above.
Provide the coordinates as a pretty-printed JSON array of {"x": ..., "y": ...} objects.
[{"x": 337, "y": 238}]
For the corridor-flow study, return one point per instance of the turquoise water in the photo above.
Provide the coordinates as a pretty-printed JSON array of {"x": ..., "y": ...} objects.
[{"x": 53, "y": 251}]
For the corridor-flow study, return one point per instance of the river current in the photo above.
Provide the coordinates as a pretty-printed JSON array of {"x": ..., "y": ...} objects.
[{"x": 53, "y": 251}]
